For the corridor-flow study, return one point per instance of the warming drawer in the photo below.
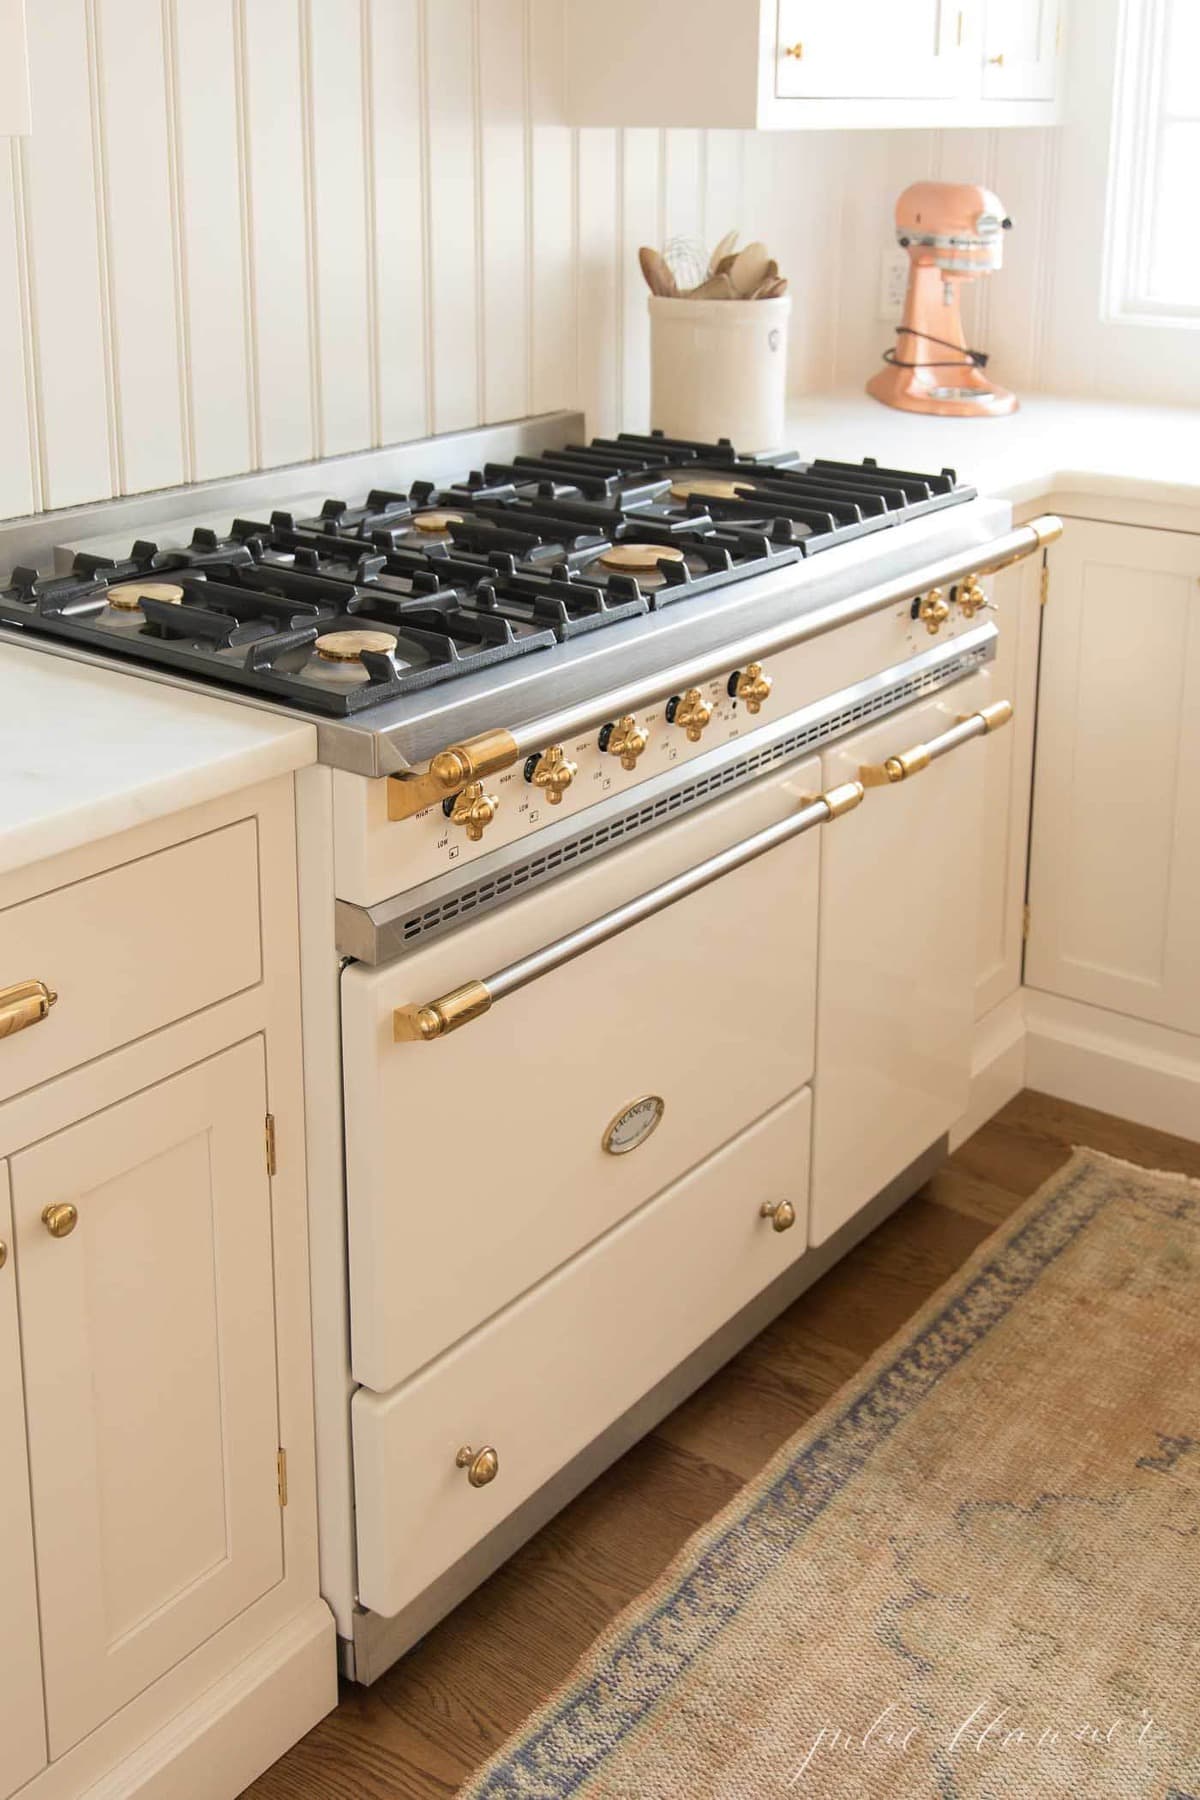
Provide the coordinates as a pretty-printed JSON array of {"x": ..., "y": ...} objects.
[
  {"x": 476, "y": 1164},
  {"x": 529, "y": 1391}
]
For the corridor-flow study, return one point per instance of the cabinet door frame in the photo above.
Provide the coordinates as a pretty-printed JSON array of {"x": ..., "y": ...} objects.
[
  {"x": 92, "y": 1669},
  {"x": 1112, "y": 812},
  {"x": 22, "y": 1706},
  {"x": 1009, "y": 77}
]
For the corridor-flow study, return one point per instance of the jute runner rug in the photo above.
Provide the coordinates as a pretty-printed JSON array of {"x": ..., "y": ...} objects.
[{"x": 975, "y": 1575}]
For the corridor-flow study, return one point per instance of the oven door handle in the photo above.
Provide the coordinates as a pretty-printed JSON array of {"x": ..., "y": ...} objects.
[
  {"x": 910, "y": 762},
  {"x": 422, "y": 1023}
]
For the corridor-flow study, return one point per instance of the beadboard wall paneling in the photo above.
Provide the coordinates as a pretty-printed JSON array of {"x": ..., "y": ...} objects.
[{"x": 328, "y": 224}]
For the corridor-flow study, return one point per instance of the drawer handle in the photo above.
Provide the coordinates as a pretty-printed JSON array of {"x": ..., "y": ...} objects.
[
  {"x": 412, "y": 790},
  {"x": 25, "y": 1003},
  {"x": 482, "y": 1466},
  {"x": 781, "y": 1213},
  {"x": 423, "y": 1024},
  {"x": 919, "y": 756},
  {"x": 60, "y": 1219}
]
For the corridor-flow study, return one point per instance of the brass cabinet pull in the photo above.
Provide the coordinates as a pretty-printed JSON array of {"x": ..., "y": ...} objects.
[
  {"x": 60, "y": 1219},
  {"x": 25, "y": 1003},
  {"x": 3, "y": 1253},
  {"x": 425, "y": 1022},
  {"x": 450, "y": 770},
  {"x": 482, "y": 1466},
  {"x": 919, "y": 756},
  {"x": 781, "y": 1213}
]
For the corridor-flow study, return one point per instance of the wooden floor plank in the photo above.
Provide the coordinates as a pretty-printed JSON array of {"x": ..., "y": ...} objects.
[{"x": 424, "y": 1728}]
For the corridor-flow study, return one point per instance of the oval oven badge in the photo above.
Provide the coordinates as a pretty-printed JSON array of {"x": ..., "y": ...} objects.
[{"x": 634, "y": 1124}]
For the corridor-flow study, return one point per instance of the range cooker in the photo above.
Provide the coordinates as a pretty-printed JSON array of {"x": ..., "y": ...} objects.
[{"x": 582, "y": 714}]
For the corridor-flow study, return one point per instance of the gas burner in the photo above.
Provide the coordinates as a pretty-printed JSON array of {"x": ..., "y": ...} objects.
[{"x": 365, "y": 602}]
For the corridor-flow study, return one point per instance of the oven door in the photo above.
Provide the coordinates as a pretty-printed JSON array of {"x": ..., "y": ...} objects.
[{"x": 479, "y": 1161}]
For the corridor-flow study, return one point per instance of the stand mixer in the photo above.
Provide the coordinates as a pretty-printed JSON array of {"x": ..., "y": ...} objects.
[{"x": 953, "y": 232}]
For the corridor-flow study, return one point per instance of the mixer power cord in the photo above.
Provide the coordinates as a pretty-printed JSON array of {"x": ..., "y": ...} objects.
[{"x": 974, "y": 359}]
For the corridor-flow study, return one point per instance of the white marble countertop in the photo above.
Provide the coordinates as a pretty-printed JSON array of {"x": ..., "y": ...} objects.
[
  {"x": 87, "y": 751},
  {"x": 1050, "y": 445}
]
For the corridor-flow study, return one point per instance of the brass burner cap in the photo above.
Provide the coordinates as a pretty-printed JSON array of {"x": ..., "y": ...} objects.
[
  {"x": 710, "y": 486},
  {"x": 436, "y": 521},
  {"x": 640, "y": 556},
  {"x": 348, "y": 646},
  {"x": 128, "y": 596}
]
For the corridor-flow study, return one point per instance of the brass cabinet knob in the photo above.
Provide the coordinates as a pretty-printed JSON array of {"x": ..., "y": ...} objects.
[
  {"x": 3, "y": 1253},
  {"x": 691, "y": 712},
  {"x": 24, "y": 1003},
  {"x": 482, "y": 1466},
  {"x": 751, "y": 686},
  {"x": 472, "y": 809},
  {"x": 971, "y": 597},
  {"x": 998, "y": 60},
  {"x": 933, "y": 611},
  {"x": 625, "y": 739},
  {"x": 781, "y": 1213},
  {"x": 796, "y": 50},
  {"x": 60, "y": 1219},
  {"x": 552, "y": 772}
]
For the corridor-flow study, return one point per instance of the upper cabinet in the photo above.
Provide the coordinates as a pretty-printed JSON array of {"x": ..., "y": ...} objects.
[
  {"x": 14, "y": 69},
  {"x": 779, "y": 64}
]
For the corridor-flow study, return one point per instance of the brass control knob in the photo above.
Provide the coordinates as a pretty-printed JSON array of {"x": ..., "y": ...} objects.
[
  {"x": 60, "y": 1219},
  {"x": 750, "y": 685},
  {"x": 482, "y": 1466},
  {"x": 781, "y": 1213},
  {"x": 551, "y": 772},
  {"x": 971, "y": 597},
  {"x": 472, "y": 809},
  {"x": 625, "y": 739},
  {"x": 933, "y": 611},
  {"x": 691, "y": 712}
]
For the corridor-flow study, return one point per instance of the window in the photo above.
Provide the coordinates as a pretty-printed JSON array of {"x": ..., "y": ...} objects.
[{"x": 1153, "y": 250}]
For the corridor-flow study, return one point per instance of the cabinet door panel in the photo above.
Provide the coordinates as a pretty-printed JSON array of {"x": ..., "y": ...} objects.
[
  {"x": 896, "y": 975},
  {"x": 22, "y": 1717},
  {"x": 1020, "y": 50},
  {"x": 1115, "y": 871},
  {"x": 149, "y": 1340},
  {"x": 874, "y": 49}
]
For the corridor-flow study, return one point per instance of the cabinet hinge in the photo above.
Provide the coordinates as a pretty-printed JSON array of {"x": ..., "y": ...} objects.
[
  {"x": 1025, "y": 916},
  {"x": 269, "y": 1134},
  {"x": 1045, "y": 589},
  {"x": 281, "y": 1476}
]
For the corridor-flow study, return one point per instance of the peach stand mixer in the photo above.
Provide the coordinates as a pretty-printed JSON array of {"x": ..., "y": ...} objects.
[{"x": 953, "y": 232}]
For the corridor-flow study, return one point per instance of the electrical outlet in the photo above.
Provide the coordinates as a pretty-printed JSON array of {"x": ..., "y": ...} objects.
[{"x": 893, "y": 284}]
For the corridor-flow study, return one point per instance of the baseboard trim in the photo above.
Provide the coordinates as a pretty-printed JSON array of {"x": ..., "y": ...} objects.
[
  {"x": 236, "y": 1728},
  {"x": 379, "y": 1642},
  {"x": 1145, "y": 1073}
]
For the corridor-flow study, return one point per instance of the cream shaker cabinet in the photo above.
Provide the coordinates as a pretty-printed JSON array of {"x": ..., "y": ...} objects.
[
  {"x": 897, "y": 956},
  {"x": 22, "y": 1718},
  {"x": 144, "y": 1262},
  {"x": 803, "y": 64},
  {"x": 1115, "y": 851}
]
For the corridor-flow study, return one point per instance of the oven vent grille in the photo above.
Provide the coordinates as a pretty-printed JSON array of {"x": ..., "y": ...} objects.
[{"x": 520, "y": 877}]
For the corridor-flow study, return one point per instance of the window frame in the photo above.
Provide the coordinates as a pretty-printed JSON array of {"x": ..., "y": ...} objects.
[{"x": 1134, "y": 161}]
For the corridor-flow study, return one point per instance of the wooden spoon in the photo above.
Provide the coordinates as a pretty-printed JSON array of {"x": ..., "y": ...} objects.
[
  {"x": 659, "y": 278},
  {"x": 772, "y": 290},
  {"x": 721, "y": 251},
  {"x": 717, "y": 287},
  {"x": 749, "y": 268}
]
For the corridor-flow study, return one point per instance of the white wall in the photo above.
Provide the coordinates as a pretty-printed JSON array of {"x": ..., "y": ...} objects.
[{"x": 251, "y": 232}]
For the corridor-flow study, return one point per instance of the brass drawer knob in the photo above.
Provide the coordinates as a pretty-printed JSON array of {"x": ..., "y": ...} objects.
[
  {"x": 796, "y": 50},
  {"x": 781, "y": 1213},
  {"x": 3, "y": 1253},
  {"x": 482, "y": 1466},
  {"x": 25, "y": 1003},
  {"x": 60, "y": 1219}
]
